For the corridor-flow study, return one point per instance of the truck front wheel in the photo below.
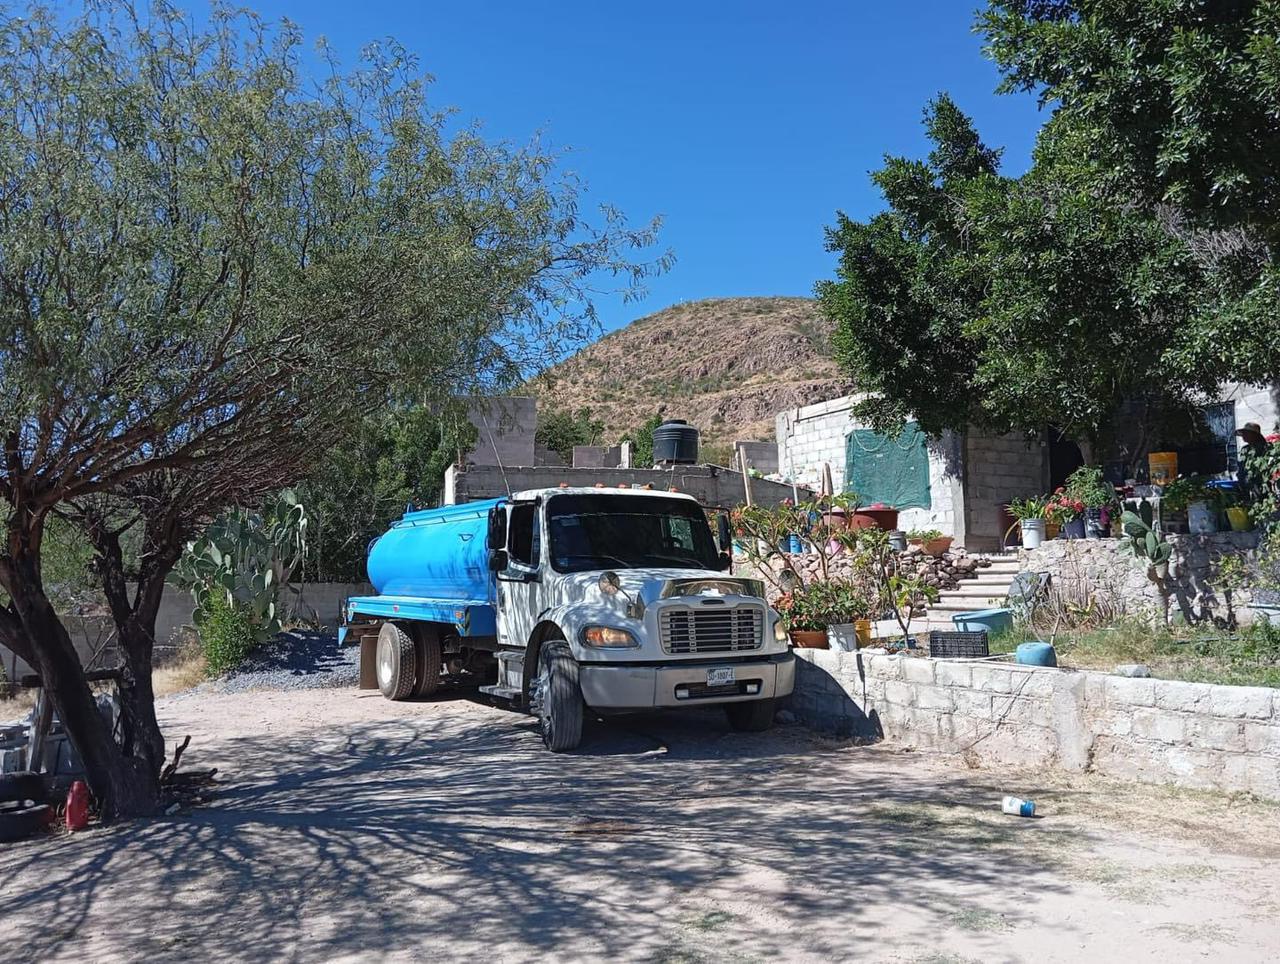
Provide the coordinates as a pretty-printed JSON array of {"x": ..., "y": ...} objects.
[
  {"x": 752, "y": 717},
  {"x": 396, "y": 662},
  {"x": 556, "y": 697}
]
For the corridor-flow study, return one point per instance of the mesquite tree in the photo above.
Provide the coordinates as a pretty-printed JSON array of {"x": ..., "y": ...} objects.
[{"x": 212, "y": 266}]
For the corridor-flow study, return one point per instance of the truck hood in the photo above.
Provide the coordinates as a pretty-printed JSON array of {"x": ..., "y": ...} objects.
[{"x": 648, "y": 584}]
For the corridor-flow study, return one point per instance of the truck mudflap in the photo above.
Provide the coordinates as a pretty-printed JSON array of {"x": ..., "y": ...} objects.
[{"x": 643, "y": 686}]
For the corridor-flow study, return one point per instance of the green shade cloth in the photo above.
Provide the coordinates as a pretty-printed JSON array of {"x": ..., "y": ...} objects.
[{"x": 893, "y": 470}]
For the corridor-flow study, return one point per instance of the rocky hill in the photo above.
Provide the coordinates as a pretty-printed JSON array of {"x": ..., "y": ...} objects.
[{"x": 728, "y": 365}]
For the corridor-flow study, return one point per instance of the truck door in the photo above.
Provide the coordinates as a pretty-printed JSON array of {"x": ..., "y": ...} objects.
[{"x": 520, "y": 583}]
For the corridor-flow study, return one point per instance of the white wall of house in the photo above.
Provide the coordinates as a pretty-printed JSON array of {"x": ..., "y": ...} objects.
[
  {"x": 816, "y": 434},
  {"x": 1255, "y": 403}
]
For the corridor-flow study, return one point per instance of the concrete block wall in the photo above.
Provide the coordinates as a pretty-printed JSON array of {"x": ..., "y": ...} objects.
[
  {"x": 1151, "y": 731},
  {"x": 320, "y": 602},
  {"x": 815, "y": 434},
  {"x": 504, "y": 430},
  {"x": 999, "y": 468}
]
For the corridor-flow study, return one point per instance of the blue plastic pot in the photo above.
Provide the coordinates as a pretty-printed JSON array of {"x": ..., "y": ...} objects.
[
  {"x": 1036, "y": 654},
  {"x": 991, "y": 620}
]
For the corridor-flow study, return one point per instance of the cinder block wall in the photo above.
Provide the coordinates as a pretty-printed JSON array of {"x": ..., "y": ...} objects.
[
  {"x": 1151, "y": 731},
  {"x": 998, "y": 468},
  {"x": 809, "y": 436}
]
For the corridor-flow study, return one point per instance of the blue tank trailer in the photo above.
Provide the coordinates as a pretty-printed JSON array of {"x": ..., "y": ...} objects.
[{"x": 566, "y": 601}]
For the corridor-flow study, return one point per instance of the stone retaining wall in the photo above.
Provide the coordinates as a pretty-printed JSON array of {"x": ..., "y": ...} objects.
[
  {"x": 1100, "y": 569},
  {"x": 1148, "y": 730}
]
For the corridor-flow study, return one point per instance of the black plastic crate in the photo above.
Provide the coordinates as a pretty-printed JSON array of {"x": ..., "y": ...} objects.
[{"x": 949, "y": 645}]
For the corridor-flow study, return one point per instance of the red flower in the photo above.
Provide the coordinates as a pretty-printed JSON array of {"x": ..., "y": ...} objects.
[{"x": 1273, "y": 438}]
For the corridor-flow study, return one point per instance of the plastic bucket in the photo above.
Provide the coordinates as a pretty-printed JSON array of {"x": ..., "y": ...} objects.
[
  {"x": 1238, "y": 516},
  {"x": 1163, "y": 467},
  {"x": 1036, "y": 654},
  {"x": 991, "y": 620},
  {"x": 1033, "y": 531}
]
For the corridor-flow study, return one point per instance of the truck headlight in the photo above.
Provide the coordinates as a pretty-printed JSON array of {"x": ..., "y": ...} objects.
[
  {"x": 608, "y": 637},
  {"x": 779, "y": 632}
]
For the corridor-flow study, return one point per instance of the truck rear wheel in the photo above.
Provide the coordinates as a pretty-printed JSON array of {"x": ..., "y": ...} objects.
[
  {"x": 396, "y": 662},
  {"x": 430, "y": 659},
  {"x": 752, "y": 717},
  {"x": 556, "y": 697}
]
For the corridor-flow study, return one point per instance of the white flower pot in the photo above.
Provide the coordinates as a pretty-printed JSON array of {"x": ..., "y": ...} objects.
[{"x": 1032, "y": 533}]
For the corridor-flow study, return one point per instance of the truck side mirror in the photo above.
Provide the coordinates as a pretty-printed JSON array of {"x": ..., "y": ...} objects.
[
  {"x": 726, "y": 562},
  {"x": 498, "y": 560},
  {"x": 497, "y": 536},
  {"x": 725, "y": 537}
]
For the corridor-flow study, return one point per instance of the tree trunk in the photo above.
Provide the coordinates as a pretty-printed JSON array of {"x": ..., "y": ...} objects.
[{"x": 119, "y": 783}]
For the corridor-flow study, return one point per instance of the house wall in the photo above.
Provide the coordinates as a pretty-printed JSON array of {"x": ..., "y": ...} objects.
[
  {"x": 998, "y": 468},
  {"x": 1146, "y": 730},
  {"x": 504, "y": 430},
  {"x": 809, "y": 436},
  {"x": 1255, "y": 403}
]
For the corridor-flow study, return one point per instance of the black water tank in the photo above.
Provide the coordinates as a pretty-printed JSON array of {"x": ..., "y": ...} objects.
[{"x": 675, "y": 442}]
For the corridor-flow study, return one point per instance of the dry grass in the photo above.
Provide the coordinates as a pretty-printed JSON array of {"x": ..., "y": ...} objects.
[
  {"x": 22, "y": 703},
  {"x": 190, "y": 669}
]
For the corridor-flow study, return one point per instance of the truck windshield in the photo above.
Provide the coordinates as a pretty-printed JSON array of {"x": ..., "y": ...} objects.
[{"x": 628, "y": 532}]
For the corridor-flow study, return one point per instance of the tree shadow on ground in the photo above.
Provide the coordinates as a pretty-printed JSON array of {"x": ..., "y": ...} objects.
[{"x": 459, "y": 832}]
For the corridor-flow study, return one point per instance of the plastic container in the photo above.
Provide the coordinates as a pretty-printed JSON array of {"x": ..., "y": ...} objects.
[
  {"x": 1163, "y": 467},
  {"x": 435, "y": 554},
  {"x": 1238, "y": 516},
  {"x": 675, "y": 442},
  {"x": 78, "y": 806},
  {"x": 1018, "y": 807},
  {"x": 988, "y": 621},
  {"x": 944, "y": 645},
  {"x": 1033, "y": 532},
  {"x": 1036, "y": 653}
]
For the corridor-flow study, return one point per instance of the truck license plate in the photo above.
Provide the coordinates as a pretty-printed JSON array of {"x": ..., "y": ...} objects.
[{"x": 720, "y": 676}]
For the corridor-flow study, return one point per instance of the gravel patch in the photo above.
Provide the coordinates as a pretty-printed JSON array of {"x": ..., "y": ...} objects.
[{"x": 292, "y": 661}]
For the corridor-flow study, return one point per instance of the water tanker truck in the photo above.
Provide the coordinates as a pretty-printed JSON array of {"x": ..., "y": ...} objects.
[{"x": 572, "y": 600}]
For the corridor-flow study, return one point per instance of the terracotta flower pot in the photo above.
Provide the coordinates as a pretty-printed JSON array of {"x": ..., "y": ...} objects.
[
  {"x": 935, "y": 547},
  {"x": 810, "y": 639},
  {"x": 881, "y": 516}
]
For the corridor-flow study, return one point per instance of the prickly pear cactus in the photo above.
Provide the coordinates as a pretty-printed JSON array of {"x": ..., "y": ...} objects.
[{"x": 248, "y": 557}]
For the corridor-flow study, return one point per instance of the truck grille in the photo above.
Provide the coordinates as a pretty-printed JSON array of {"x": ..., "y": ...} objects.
[{"x": 718, "y": 631}]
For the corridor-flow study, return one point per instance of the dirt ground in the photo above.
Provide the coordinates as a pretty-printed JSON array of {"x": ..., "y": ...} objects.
[{"x": 352, "y": 828}]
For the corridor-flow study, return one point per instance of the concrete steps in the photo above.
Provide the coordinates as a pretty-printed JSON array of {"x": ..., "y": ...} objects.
[{"x": 989, "y": 590}]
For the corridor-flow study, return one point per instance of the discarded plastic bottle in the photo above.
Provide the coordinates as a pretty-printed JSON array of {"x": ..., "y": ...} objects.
[
  {"x": 78, "y": 806},
  {"x": 1018, "y": 807}
]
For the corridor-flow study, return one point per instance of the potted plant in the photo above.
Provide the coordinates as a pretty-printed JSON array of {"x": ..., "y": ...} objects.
[
  {"x": 1087, "y": 486},
  {"x": 1236, "y": 507},
  {"x": 879, "y": 516},
  {"x": 932, "y": 541},
  {"x": 1030, "y": 515},
  {"x": 808, "y": 612},
  {"x": 850, "y": 607},
  {"x": 1067, "y": 512}
]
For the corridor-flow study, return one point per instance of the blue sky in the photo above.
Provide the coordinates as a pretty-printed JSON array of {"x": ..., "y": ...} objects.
[{"x": 746, "y": 125}]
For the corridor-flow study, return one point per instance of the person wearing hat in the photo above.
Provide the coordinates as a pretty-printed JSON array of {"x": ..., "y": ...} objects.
[{"x": 1255, "y": 444}]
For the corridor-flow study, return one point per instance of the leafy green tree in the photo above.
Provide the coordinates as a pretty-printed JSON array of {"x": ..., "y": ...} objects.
[
  {"x": 909, "y": 282},
  {"x": 213, "y": 268},
  {"x": 1178, "y": 99},
  {"x": 397, "y": 458},
  {"x": 561, "y": 430},
  {"x": 641, "y": 440},
  {"x": 1175, "y": 106},
  {"x": 1010, "y": 303}
]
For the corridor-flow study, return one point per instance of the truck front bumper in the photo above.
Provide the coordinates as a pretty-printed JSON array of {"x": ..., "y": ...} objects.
[{"x": 644, "y": 686}]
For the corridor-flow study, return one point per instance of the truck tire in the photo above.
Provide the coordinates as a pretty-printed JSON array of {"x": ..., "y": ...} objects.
[
  {"x": 396, "y": 662},
  {"x": 753, "y": 717},
  {"x": 430, "y": 660},
  {"x": 556, "y": 697},
  {"x": 22, "y": 785}
]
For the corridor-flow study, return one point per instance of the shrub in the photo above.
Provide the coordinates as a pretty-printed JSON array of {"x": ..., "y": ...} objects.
[{"x": 226, "y": 634}]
